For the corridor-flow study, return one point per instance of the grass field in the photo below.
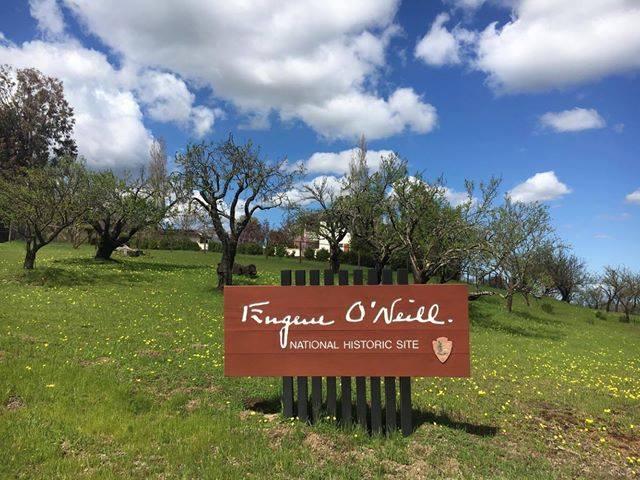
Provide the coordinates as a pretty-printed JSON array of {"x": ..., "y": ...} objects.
[{"x": 115, "y": 371}]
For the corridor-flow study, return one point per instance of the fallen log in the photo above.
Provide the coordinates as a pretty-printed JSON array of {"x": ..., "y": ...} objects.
[{"x": 476, "y": 295}]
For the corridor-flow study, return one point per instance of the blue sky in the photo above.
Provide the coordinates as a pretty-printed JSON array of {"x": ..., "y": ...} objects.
[{"x": 461, "y": 88}]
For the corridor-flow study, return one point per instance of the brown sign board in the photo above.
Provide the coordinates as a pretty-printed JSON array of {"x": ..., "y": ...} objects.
[{"x": 379, "y": 330}]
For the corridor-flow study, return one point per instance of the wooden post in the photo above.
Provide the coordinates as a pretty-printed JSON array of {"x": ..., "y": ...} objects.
[
  {"x": 345, "y": 382},
  {"x": 316, "y": 382},
  {"x": 374, "y": 382},
  {"x": 287, "y": 382},
  {"x": 303, "y": 393},
  {"x": 332, "y": 394},
  {"x": 361, "y": 382},
  {"x": 389, "y": 382},
  {"x": 406, "y": 422}
]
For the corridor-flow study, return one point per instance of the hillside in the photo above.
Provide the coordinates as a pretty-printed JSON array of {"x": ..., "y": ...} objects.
[{"x": 115, "y": 370}]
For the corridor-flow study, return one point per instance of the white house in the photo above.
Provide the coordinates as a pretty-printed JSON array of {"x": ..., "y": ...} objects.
[{"x": 344, "y": 244}]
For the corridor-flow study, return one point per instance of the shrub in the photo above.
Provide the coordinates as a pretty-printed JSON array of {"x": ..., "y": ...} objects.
[
  {"x": 309, "y": 253},
  {"x": 600, "y": 315},
  {"x": 250, "y": 249},
  {"x": 322, "y": 255},
  {"x": 281, "y": 251},
  {"x": 167, "y": 242},
  {"x": 547, "y": 308}
]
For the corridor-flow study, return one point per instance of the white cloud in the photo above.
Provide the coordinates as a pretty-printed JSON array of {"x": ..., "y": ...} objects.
[
  {"x": 168, "y": 99},
  {"x": 634, "y": 197},
  {"x": 467, "y": 4},
  {"x": 299, "y": 195},
  {"x": 347, "y": 116},
  {"x": 306, "y": 60},
  {"x": 48, "y": 15},
  {"x": 338, "y": 162},
  {"x": 573, "y": 120},
  {"x": 539, "y": 188},
  {"x": 553, "y": 44},
  {"x": 456, "y": 198},
  {"x": 439, "y": 46},
  {"x": 202, "y": 119}
]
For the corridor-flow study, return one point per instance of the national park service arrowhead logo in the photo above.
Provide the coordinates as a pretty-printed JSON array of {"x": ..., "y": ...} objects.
[{"x": 442, "y": 347}]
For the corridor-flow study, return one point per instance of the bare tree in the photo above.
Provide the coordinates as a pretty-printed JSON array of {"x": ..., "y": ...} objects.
[
  {"x": 125, "y": 206},
  {"x": 158, "y": 172},
  {"x": 367, "y": 195},
  {"x": 232, "y": 182},
  {"x": 612, "y": 284},
  {"x": 591, "y": 294},
  {"x": 629, "y": 293},
  {"x": 522, "y": 235},
  {"x": 44, "y": 201},
  {"x": 328, "y": 216},
  {"x": 566, "y": 273}
]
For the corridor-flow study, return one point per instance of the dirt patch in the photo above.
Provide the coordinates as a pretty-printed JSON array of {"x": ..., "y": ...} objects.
[
  {"x": 3, "y": 354},
  {"x": 626, "y": 442},
  {"x": 192, "y": 405},
  {"x": 96, "y": 361},
  {"x": 148, "y": 353},
  {"x": 199, "y": 346},
  {"x": 320, "y": 445},
  {"x": 278, "y": 433},
  {"x": 559, "y": 415},
  {"x": 15, "y": 403},
  {"x": 420, "y": 466}
]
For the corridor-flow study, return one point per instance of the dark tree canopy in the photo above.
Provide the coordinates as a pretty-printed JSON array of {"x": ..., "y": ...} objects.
[{"x": 36, "y": 121}]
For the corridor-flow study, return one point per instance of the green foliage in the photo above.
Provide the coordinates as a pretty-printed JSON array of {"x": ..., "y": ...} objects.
[
  {"x": 309, "y": 253},
  {"x": 281, "y": 251},
  {"x": 43, "y": 201},
  {"x": 600, "y": 315},
  {"x": 250, "y": 248},
  {"x": 322, "y": 255},
  {"x": 547, "y": 308},
  {"x": 167, "y": 241}
]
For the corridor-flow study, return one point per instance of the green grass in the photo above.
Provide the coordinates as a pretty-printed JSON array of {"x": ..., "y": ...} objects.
[{"x": 114, "y": 370}]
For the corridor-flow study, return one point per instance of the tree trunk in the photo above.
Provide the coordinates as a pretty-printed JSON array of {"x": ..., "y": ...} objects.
[
  {"x": 378, "y": 266},
  {"x": 30, "y": 257},
  {"x": 509, "y": 302},
  {"x": 225, "y": 270},
  {"x": 419, "y": 276},
  {"x": 334, "y": 259},
  {"x": 106, "y": 246}
]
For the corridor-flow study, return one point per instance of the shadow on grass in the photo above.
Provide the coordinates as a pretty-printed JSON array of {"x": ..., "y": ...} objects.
[
  {"x": 420, "y": 417},
  {"x": 132, "y": 265},
  {"x": 273, "y": 405},
  {"x": 262, "y": 405},
  {"x": 535, "y": 318},
  {"x": 485, "y": 320}
]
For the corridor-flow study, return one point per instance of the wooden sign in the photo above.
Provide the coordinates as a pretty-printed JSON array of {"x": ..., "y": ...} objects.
[{"x": 381, "y": 330}]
